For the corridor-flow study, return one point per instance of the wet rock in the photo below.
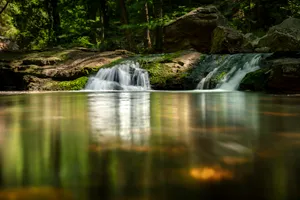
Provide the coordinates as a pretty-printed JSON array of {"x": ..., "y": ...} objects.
[
  {"x": 280, "y": 73},
  {"x": 193, "y": 30}
]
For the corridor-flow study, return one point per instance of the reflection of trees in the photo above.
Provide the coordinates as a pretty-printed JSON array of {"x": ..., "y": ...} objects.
[
  {"x": 143, "y": 146},
  {"x": 46, "y": 142}
]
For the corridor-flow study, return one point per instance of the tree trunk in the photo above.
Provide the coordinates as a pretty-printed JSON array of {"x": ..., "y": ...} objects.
[
  {"x": 91, "y": 15},
  {"x": 50, "y": 23},
  {"x": 104, "y": 18},
  {"x": 147, "y": 39},
  {"x": 125, "y": 21},
  {"x": 158, "y": 11},
  {"x": 56, "y": 21}
]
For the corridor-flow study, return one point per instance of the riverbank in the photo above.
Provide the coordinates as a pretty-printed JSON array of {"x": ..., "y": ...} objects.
[{"x": 69, "y": 69}]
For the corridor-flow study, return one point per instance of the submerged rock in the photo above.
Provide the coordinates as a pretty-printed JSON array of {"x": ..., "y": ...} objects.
[{"x": 193, "y": 30}]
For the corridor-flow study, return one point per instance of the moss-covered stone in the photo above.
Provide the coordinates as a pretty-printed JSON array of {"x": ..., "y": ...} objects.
[
  {"x": 170, "y": 71},
  {"x": 159, "y": 74},
  {"x": 255, "y": 81},
  {"x": 76, "y": 84}
]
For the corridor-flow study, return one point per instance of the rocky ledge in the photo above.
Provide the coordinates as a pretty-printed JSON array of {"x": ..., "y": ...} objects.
[
  {"x": 279, "y": 73},
  {"x": 56, "y": 69}
]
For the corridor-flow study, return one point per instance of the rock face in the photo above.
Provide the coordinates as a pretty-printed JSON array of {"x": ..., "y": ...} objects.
[
  {"x": 193, "y": 30},
  {"x": 171, "y": 71},
  {"x": 282, "y": 37},
  {"x": 54, "y": 69},
  {"x": 280, "y": 73},
  {"x": 7, "y": 45},
  {"x": 228, "y": 40}
]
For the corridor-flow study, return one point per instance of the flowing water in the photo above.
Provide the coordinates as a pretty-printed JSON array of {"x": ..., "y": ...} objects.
[
  {"x": 227, "y": 71},
  {"x": 125, "y": 76},
  {"x": 149, "y": 145}
]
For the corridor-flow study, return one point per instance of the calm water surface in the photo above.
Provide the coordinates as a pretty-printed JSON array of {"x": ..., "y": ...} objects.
[{"x": 148, "y": 146}]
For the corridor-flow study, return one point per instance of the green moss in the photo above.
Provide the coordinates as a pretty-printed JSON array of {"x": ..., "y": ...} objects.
[
  {"x": 159, "y": 73},
  {"x": 76, "y": 84},
  {"x": 113, "y": 63},
  {"x": 220, "y": 76},
  {"x": 158, "y": 58}
]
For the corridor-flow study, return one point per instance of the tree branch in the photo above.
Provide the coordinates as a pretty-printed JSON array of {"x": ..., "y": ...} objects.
[{"x": 1, "y": 11}]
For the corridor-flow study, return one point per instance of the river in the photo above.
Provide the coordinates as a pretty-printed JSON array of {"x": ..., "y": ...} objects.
[{"x": 149, "y": 145}]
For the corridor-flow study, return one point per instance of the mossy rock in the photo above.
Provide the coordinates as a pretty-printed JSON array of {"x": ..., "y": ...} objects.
[
  {"x": 255, "y": 81},
  {"x": 159, "y": 74},
  {"x": 76, "y": 84}
]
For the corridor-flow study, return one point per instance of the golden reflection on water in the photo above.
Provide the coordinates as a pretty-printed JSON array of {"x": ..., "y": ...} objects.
[{"x": 210, "y": 174}]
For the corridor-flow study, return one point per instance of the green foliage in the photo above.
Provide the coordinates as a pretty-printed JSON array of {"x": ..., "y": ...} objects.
[
  {"x": 293, "y": 7},
  {"x": 38, "y": 24}
]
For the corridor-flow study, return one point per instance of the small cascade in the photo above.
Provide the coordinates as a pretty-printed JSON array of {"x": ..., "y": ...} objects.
[
  {"x": 227, "y": 71},
  {"x": 124, "y": 76},
  {"x": 232, "y": 80},
  {"x": 206, "y": 79}
]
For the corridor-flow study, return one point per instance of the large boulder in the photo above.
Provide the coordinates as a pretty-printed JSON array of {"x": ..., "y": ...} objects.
[
  {"x": 282, "y": 37},
  {"x": 193, "y": 30},
  {"x": 280, "y": 73},
  {"x": 229, "y": 40}
]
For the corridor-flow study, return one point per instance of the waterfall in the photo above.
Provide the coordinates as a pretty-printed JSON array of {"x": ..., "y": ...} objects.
[
  {"x": 206, "y": 79},
  {"x": 227, "y": 71},
  {"x": 125, "y": 76},
  {"x": 232, "y": 80}
]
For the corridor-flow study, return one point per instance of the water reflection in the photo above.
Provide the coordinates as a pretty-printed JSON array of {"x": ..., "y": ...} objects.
[
  {"x": 120, "y": 117},
  {"x": 148, "y": 146}
]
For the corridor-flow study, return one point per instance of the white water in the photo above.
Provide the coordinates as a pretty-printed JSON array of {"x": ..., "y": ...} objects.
[
  {"x": 124, "y": 76},
  {"x": 200, "y": 86},
  {"x": 232, "y": 80},
  {"x": 239, "y": 66}
]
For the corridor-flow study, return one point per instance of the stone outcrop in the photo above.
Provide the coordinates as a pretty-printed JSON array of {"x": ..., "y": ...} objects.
[
  {"x": 229, "y": 40},
  {"x": 280, "y": 73},
  {"x": 282, "y": 37},
  {"x": 52, "y": 69},
  {"x": 193, "y": 30},
  {"x": 171, "y": 71}
]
